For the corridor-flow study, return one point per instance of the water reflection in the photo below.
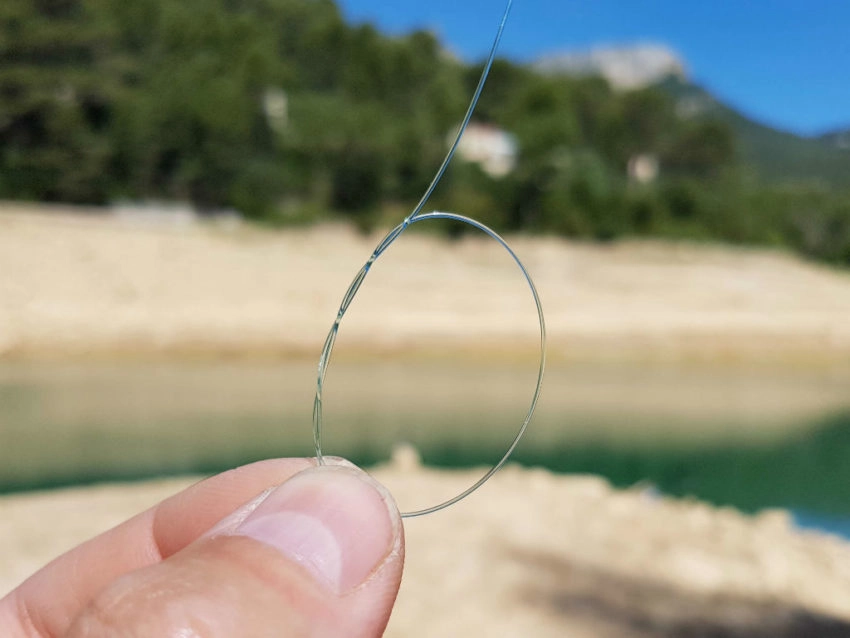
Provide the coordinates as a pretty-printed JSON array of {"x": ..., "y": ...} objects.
[{"x": 745, "y": 437}]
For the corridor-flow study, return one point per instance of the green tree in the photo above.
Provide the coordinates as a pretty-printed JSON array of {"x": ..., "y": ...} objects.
[
  {"x": 701, "y": 149},
  {"x": 191, "y": 124},
  {"x": 55, "y": 90}
]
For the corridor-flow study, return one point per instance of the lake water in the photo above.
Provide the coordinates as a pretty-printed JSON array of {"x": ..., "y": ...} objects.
[{"x": 748, "y": 437}]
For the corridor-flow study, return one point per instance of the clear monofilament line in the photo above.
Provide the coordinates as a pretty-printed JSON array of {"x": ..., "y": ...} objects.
[
  {"x": 491, "y": 57},
  {"x": 417, "y": 216}
]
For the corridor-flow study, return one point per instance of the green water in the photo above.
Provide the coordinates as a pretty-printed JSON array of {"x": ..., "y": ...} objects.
[{"x": 748, "y": 438}]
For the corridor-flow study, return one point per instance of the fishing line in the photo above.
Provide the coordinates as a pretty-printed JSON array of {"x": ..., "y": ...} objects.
[{"x": 415, "y": 217}]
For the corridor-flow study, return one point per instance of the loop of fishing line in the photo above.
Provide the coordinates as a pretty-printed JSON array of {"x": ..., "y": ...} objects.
[{"x": 415, "y": 217}]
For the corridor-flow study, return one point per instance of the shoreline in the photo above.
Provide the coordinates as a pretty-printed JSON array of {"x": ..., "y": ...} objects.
[
  {"x": 742, "y": 350},
  {"x": 100, "y": 286}
]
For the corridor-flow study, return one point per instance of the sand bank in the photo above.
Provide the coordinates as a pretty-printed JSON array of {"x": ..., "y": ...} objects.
[
  {"x": 86, "y": 284},
  {"x": 535, "y": 554}
]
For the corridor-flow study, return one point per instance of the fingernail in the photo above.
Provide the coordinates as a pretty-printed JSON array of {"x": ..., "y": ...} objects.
[{"x": 335, "y": 521}]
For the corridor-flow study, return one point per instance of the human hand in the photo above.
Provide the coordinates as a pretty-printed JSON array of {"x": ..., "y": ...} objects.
[{"x": 319, "y": 555}]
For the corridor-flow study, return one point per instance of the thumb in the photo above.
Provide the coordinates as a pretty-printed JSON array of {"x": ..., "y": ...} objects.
[{"x": 320, "y": 555}]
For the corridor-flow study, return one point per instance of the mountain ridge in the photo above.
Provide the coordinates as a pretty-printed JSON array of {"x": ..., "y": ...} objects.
[
  {"x": 839, "y": 138},
  {"x": 626, "y": 67},
  {"x": 776, "y": 154}
]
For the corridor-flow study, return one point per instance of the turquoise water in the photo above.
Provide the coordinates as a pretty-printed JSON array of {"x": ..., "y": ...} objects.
[
  {"x": 747, "y": 438},
  {"x": 808, "y": 471},
  {"x": 837, "y": 525}
]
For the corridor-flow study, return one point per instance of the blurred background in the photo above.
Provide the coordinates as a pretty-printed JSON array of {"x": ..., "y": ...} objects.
[{"x": 188, "y": 187}]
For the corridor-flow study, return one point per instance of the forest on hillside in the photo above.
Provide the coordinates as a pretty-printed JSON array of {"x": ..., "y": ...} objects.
[{"x": 282, "y": 111}]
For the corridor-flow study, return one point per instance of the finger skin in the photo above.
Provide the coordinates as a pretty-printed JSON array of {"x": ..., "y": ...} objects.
[
  {"x": 46, "y": 604},
  {"x": 236, "y": 575},
  {"x": 235, "y": 586},
  {"x": 319, "y": 556}
]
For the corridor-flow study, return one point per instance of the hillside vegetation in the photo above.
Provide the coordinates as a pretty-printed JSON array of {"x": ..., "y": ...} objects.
[{"x": 282, "y": 111}]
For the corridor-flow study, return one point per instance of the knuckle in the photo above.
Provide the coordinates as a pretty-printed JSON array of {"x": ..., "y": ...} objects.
[
  {"x": 105, "y": 615},
  {"x": 129, "y": 608}
]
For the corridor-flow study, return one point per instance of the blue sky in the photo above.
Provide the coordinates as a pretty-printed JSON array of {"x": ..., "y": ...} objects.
[{"x": 783, "y": 62}]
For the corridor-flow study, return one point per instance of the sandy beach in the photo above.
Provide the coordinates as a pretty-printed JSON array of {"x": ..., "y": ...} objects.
[
  {"x": 535, "y": 554},
  {"x": 87, "y": 284}
]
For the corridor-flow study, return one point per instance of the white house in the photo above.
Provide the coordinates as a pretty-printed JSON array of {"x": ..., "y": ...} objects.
[{"x": 492, "y": 148}]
